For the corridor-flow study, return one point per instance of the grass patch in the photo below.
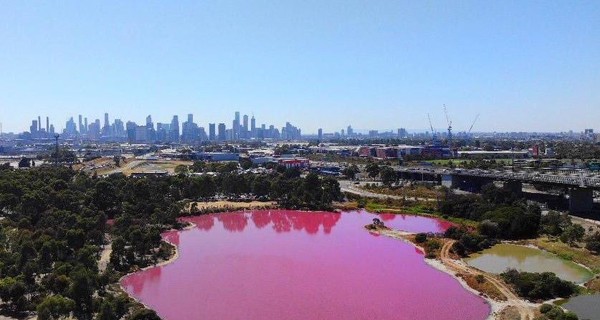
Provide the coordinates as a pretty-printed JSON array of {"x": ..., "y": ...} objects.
[{"x": 566, "y": 252}]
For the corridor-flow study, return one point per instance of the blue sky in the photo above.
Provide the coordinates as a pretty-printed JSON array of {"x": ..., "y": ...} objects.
[{"x": 522, "y": 65}]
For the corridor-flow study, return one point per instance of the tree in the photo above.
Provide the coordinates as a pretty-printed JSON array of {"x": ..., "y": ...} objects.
[
  {"x": 106, "y": 311},
  {"x": 572, "y": 234},
  {"x": 12, "y": 290},
  {"x": 82, "y": 288},
  {"x": 54, "y": 307},
  {"x": 144, "y": 314},
  {"x": 181, "y": 169},
  {"x": 350, "y": 171},
  {"x": 372, "y": 169},
  {"x": 388, "y": 176}
]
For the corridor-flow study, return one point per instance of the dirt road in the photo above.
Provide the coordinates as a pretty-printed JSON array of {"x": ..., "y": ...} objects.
[{"x": 525, "y": 311}]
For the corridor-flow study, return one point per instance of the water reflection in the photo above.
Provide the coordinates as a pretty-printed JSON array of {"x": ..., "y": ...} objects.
[
  {"x": 310, "y": 222},
  {"x": 151, "y": 276},
  {"x": 233, "y": 222}
]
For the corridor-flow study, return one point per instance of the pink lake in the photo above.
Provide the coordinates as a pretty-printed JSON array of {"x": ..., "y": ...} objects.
[{"x": 301, "y": 265}]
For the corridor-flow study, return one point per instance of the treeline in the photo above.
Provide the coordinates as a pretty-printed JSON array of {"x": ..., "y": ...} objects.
[
  {"x": 286, "y": 186},
  {"x": 54, "y": 222},
  {"x": 501, "y": 215}
]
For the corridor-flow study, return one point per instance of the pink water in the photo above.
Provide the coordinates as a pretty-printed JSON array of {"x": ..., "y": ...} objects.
[{"x": 301, "y": 265}]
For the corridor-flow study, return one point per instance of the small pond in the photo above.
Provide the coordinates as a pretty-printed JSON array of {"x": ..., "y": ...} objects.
[
  {"x": 503, "y": 256},
  {"x": 586, "y": 307}
]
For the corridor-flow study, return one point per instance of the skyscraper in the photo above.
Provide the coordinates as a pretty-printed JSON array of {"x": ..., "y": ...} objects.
[
  {"x": 47, "y": 124},
  {"x": 174, "y": 133},
  {"x": 221, "y": 133},
  {"x": 39, "y": 123},
  {"x": 236, "y": 126},
  {"x": 245, "y": 129},
  {"x": 320, "y": 134},
  {"x": 252, "y": 127},
  {"x": 106, "y": 127},
  {"x": 80, "y": 123},
  {"x": 211, "y": 132}
]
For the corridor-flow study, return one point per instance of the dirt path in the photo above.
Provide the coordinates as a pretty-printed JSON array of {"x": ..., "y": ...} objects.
[
  {"x": 524, "y": 310},
  {"x": 105, "y": 255}
]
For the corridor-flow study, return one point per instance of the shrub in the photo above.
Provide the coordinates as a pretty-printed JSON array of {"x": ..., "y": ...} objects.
[
  {"x": 545, "y": 308},
  {"x": 420, "y": 237}
]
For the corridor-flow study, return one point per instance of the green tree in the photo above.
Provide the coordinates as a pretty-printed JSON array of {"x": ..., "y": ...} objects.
[
  {"x": 11, "y": 291},
  {"x": 572, "y": 234},
  {"x": 54, "y": 307},
  {"x": 144, "y": 314},
  {"x": 388, "y": 176},
  {"x": 181, "y": 169},
  {"x": 351, "y": 171},
  {"x": 372, "y": 169}
]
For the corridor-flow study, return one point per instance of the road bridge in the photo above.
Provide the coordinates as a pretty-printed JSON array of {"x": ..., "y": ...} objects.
[{"x": 580, "y": 187}]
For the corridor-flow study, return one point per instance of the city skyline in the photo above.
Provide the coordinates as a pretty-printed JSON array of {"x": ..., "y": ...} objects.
[{"x": 376, "y": 64}]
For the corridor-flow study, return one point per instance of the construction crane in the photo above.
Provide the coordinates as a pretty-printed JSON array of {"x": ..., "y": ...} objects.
[
  {"x": 449, "y": 125},
  {"x": 431, "y": 126},
  {"x": 472, "y": 124}
]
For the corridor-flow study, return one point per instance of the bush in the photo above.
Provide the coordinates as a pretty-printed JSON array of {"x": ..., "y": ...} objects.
[
  {"x": 420, "y": 237},
  {"x": 539, "y": 286},
  {"x": 593, "y": 246},
  {"x": 545, "y": 308}
]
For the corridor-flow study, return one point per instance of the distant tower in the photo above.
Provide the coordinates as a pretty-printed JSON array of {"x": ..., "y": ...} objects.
[
  {"x": 47, "y": 124},
  {"x": 320, "y": 134},
  {"x": 56, "y": 150},
  {"x": 39, "y": 123},
  {"x": 81, "y": 130},
  {"x": 85, "y": 128},
  {"x": 246, "y": 128},
  {"x": 106, "y": 124},
  {"x": 212, "y": 135},
  {"x": 253, "y": 127}
]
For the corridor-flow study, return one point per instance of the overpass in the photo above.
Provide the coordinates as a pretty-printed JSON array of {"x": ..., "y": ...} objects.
[{"x": 580, "y": 188}]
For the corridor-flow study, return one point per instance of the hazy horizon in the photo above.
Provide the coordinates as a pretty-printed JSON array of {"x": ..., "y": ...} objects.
[{"x": 524, "y": 66}]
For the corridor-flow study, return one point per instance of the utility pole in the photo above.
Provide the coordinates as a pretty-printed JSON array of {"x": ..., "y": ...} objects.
[{"x": 56, "y": 150}]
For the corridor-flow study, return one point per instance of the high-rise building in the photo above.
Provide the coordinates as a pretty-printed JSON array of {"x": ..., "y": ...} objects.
[
  {"x": 70, "y": 128},
  {"x": 174, "y": 132},
  {"x": 222, "y": 135},
  {"x": 80, "y": 123},
  {"x": 85, "y": 125},
  {"x": 47, "y": 124},
  {"x": 236, "y": 126},
  {"x": 33, "y": 129},
  {"x": 246, "y": 128},
  {"x": 349, "y": 131},
  {"x": 189, "y": 130},
  {"x": 320, "y": 134},
  {"x": 252, "y": 127},
  {"x": 118, "y": 128},
  {"x": 211, "y": 132},
  {"x": 106, "y": 127},
  {"x": 39, "y": 123}
]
